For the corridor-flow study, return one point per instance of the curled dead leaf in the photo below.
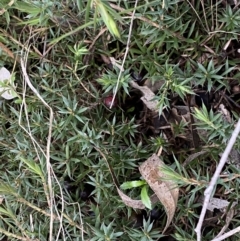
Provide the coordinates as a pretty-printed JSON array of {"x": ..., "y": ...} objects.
[
  {"x": 222, "y": 205},
  {"x": 166, "y": 190},
  {"x": 147, "y": 97},
  {"x": 135, "y": 203}
]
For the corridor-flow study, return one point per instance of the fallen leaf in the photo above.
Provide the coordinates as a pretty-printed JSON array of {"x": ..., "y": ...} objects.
[
  {"x": 165, "y": 190},
  {"x": 218, "y": 204},
  {"x": 154, "y": 86},
  {"x": 225, "y": 113},
  {"x": 135, "y": 203},
  {"x": 129, "y": 201},
  {"x": 222, "y": 205},
  {"x": 116, "y": 63},
  {"x": 147, "y": 97}
]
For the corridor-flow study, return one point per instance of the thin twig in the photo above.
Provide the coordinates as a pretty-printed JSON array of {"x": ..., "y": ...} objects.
[
  {"x": 48, "y": 164},
  {"x": 47, "y": 214},
  {"x": 222, "y": 31},
  {"x": 60, "y": 216},
  {"x": 28, "y": 130},
  {"x": 49, "y": 167},
  {"x": 209, "y": 190},
  {"x": 125, "y": 54},
  {"x": 12, "y": 235},
  {"x": 228, "y": 234}
]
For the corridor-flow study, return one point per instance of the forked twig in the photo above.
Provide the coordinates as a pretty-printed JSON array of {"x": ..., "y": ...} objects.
[
  {"x": 50, "y": 171},
  {"x": 209, "y": 190},
  {"x": 49, "y": 167}
]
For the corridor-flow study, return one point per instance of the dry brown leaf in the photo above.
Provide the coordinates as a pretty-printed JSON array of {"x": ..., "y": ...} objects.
[
  {"x": 222, "y": 205},
  {"x": 148, "y": 96},
  {"x": 154, "y": 86},
  {"x": 166, "y": 190},
  {"x": 225, "y": 113},
  {"x": 135, "y": 203},
  {"x": 116, "y": 63},
  {"x": 218, "y": 204},
  {"x": 129, "y": 201}
]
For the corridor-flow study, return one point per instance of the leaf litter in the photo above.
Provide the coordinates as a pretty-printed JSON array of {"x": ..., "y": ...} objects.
[{"x": 164, "y": 190}]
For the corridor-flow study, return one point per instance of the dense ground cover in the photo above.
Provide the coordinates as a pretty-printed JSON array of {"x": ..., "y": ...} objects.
[{"x": 61, "y": 142}]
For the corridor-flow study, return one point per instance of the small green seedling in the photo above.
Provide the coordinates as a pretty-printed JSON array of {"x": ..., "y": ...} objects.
[{"x": 144, "y": 191}]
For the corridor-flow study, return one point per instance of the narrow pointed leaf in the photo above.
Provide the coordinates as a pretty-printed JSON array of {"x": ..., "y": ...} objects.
[{"x": 145, "y": 198}]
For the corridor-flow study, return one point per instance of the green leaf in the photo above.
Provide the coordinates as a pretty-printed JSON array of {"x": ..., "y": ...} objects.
[
  {"x": 145, "y": 197},
  {"x": 56, "y": 40},
  {"x": 7, "y": 189},
  {"x": 7, "y": 212},
  {"x": 27, "y": 7},
  {"x": 128, "y": 185},
  {"x": 33, "y": 167},
  {"x": 201, "y": 67},
  {"x": 111, "y": 25}
]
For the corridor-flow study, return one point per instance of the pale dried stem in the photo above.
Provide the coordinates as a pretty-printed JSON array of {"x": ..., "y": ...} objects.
[
  {"x": 125, "y": 54},
  {"x": 12, "y": 235},
  {"x": 48, "y": 164},
  {"x": 50, "y": 172},
  {"x": 228, "y": 234},
  {"x": 209, "y": 190}
]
